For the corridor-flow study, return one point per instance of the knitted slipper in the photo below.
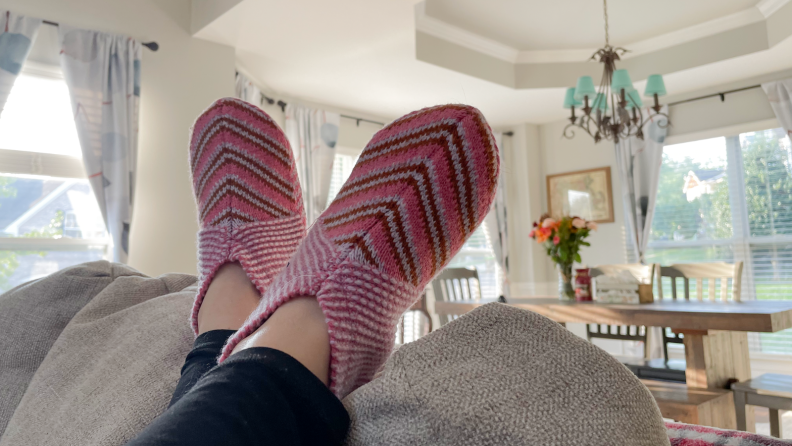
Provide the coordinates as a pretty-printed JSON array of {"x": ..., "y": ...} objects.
[
  {"x": 419, "y": 190},
  {"x": 249, "y": 199}
]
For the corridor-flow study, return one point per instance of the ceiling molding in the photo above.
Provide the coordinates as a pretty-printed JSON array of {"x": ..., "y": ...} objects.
[
  {"x": 695, "y": 32},
  {"x": 460, "y": 36},
  {"x": 769, "y": 7},
  {"x": 498, "y": 50}
]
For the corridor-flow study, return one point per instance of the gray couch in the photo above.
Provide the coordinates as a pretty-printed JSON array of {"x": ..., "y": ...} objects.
[{"x": 90, "y": 355}]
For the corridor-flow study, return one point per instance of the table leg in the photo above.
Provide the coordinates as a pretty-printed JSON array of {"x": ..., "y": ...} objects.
[
  {"x": 713, "y": 359},
  {"x": 739, "y": 406},
  {"x": 775, "y": 423}
]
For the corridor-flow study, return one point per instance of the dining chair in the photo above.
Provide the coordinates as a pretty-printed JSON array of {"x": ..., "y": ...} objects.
[
  {"x": 645, "y": 274},
  {"x": 456, "y": 284},
  {"x": 711, "y": 272}
]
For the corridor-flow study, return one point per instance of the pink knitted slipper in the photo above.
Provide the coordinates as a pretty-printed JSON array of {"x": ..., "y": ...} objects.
[
  {"x": 249, "y": 198},
  {"x": 419, "y": 190}
]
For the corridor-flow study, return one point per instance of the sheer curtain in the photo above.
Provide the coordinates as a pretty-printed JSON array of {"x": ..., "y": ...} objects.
[
  {"x": 313, "y": 135},
  {"x": 17, "y": 33},
  {"x": 496, "y": 223},
  {"x": 246, "y": 90},
  {"x": 779, "y": 93},
  {"x": 103, "y": 74},
  {"x": 638, "y": 162}
]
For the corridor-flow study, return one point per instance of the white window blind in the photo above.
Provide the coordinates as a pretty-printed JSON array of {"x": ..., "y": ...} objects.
[{"x": 730, "y": 199}]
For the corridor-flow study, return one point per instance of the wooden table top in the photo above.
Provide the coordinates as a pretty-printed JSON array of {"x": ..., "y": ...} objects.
[{"x": 758, "y": 315}]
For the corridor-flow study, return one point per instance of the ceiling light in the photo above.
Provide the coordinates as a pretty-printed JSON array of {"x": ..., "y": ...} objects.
[{"x": 623, "y": 117}]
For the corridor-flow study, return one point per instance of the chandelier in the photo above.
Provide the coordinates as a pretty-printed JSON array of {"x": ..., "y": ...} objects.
[{"x": 612, "y": 111}]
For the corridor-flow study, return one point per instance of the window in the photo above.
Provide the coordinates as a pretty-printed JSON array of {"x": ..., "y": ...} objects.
[
  {"x": 476, "y": 253},
  {"x": 49, "y": 217},
  {"x": 730, "y": 199}
]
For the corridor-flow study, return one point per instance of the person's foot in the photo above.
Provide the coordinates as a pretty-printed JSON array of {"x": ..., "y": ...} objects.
[
  {"x": 419, "y": 190},
  {"x": 249, "y": 198}
]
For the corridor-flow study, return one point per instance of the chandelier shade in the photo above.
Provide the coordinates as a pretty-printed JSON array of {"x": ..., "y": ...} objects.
[
  {"x": 655, "y": 86},
  {"x": 634, "y": 100},
  {"x": 621, "y": 81},
  {"x": 569, "y": 100},
  {"x": 585, "y": 88}
]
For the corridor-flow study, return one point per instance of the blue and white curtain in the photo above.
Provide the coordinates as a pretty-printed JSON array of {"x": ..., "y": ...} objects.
[
  {"x": 103, "y": 74},
  {"x": 16, "y": 38},
  {"x": 313, "y": 135}
]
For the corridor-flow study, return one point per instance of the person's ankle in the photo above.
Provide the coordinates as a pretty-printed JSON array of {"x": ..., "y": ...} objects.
[
  {"x": 230, "y": 299},
  {"x": 297, "y": 328}
]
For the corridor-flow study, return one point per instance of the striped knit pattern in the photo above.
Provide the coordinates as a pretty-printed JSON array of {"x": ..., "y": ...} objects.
[
  {"x": 691, "y": 435},
  {"x": 419, "y": 190},
  {"x": 249, "y": 199}
]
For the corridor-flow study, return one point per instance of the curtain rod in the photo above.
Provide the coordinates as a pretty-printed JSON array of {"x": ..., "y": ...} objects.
[
  {"x": 283, "y": 105},
  {"x": 722, "y": 95},
  {"x": 153, "y": 46}
]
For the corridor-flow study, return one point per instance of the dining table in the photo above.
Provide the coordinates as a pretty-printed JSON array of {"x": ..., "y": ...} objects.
[{"x": 715, "y": 333}]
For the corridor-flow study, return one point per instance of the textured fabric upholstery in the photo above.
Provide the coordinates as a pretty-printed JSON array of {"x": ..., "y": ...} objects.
[
  {"x": 503, "y": 376},
  {"x": 115, "y": 365}
]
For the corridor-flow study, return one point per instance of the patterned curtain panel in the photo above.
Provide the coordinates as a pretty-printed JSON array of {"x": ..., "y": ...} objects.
[
  {"x": 638, "y": 162},
  {"x": 16, "y": 38},
  {"x": 496, "y": 222},
  {"x": 246, "y": 91},
  {"x": 313, "y": 135},
  {"x": 103, "y": 74},
  {"x": 779, "y": 93}
]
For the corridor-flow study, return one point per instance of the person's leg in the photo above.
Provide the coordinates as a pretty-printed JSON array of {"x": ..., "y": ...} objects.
[
  {"x": 230, "y": 298},
  {"x": 273, "y": 387}
]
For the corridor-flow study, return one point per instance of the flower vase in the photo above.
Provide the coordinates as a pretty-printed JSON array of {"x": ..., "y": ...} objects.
[{"x": 565, "y": 290}]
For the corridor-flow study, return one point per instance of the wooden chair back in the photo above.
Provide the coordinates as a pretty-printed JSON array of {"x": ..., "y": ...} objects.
[
  {"x": 644, "y": 273},
  {"x": 456, "y": 284},
  {"x": 711, "y": 272}
]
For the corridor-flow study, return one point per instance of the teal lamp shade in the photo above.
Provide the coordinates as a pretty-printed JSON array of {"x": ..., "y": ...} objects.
[
  {"x": 634, "y": 99},
  {"x": 585, "y": 87},
  {"x": 600, "y": 102},
  {"x": 569, "y": 100},
  {"x": 621, "y": 81},
  {"x": 655, "y": 86}
]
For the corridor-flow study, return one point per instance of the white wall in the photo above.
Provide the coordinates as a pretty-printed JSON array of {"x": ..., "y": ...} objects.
[{"x": 177, "y": 83}]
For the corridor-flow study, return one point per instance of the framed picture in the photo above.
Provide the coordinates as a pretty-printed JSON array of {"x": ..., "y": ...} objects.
[{"x": 585, "y": 193}]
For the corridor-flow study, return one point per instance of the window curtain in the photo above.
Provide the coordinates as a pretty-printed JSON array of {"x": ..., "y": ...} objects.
[
  {"x": 103, "y": 74},
  {"x": 638, "y": 163},
  {"x": 246, "y": 90},
  {"x": 313, "y": 135},
  {"x": 16, "y": 38},
  {"x": 779, "y": 93},
  {"x": 496, "y": 223}
]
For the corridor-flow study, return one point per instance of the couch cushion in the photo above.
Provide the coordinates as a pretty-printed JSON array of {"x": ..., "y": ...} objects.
[
  {"x": 500, "y": 375},
  {"x": 33, "y": 315},
  {"x": 114, "y": 366}
]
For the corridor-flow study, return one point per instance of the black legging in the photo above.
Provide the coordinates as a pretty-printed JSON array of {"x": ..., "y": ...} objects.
[{"x": 259, "y": 396}]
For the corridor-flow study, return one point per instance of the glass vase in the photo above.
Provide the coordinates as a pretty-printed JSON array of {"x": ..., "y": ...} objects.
[{"x": 566, "y": 291}]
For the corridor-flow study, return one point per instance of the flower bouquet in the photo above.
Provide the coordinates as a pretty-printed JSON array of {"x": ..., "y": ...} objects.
[{"x": 562, "y": 240}]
